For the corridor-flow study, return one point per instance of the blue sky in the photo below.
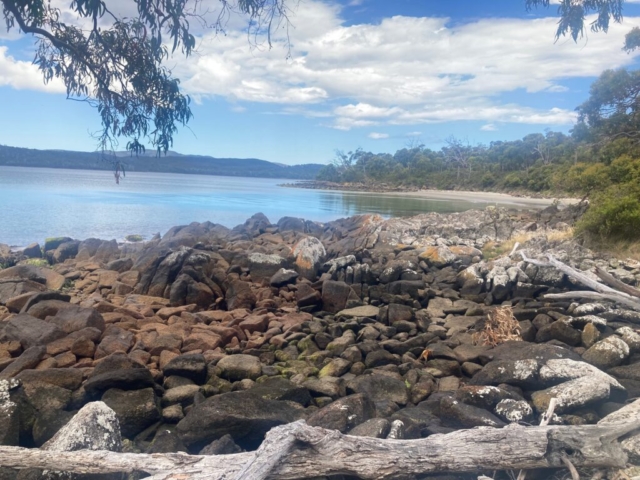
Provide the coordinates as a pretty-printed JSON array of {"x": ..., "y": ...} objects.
[{"x": 375, "y": 74}]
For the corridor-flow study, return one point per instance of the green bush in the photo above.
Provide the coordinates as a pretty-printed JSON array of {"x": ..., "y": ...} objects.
[
  {"x": 614, "y": 214},
  {"x": 514, "y": 180},
  {"x": 487, "y": 180}
]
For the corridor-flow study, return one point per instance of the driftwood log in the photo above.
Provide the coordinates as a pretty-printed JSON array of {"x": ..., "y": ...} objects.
[
  {"x": 600, "y": 290},
  {"x": 296, "y": 451}
]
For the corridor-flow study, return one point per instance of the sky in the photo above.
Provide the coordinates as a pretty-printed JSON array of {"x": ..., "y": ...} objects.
[{"x": 375, "y": 74}]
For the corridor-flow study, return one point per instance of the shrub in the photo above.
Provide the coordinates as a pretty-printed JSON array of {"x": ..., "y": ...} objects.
[
  {"x": 614, "y": 214},
  {"x": 134, "y": 238},
  {"x": 513, "y": 180}
]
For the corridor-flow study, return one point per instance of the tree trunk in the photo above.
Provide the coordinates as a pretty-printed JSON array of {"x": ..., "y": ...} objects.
[{"x": 297, "y": 451}]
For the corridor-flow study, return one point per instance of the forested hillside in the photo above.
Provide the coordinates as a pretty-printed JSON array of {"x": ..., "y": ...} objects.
[
  {"x": 599, "y": 160},
  {"x": 171, "y": 163}
]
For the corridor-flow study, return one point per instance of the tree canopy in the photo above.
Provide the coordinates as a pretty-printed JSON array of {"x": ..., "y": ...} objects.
[{"x": 118, "y": 64}]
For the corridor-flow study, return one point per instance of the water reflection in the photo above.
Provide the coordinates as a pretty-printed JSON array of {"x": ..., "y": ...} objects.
[{"x": 348, "y": 204}]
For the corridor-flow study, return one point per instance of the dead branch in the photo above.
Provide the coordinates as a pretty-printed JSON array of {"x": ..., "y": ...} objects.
[
  {"x": 314, "y": 452},
  {"x": 617, "y": 284},
  {"x": 605, "y": 292}
]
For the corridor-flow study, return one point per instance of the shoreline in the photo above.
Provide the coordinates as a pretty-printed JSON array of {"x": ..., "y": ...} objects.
[{"x": 430, "y": 194}]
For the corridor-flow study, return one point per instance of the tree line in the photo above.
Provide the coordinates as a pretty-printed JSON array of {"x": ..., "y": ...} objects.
[{"x": 599, "y": 160}]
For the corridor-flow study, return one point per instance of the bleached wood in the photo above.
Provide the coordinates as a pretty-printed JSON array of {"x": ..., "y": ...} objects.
[
  {"x": 604, "y": 292},
  {"x": 588, "y": 295},
  {"x": 320, "y": 452},
  {"x": 613, "y": 282}
]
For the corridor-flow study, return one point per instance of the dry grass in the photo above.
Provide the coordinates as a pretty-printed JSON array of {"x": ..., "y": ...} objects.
[
  {"x": 493, "y": 250},
  {"x": 499, "y": 327},
  {"x": 620, "y": 249}
]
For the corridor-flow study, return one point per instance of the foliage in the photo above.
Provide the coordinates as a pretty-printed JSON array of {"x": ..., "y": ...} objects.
[
  {"x": 573, "y": 15},
  {"x": 613, "y": 215},
  {"x": 36, "y": 262},
  {"x": 134, "y": 238},
  {"x": 117, "y": 64}
]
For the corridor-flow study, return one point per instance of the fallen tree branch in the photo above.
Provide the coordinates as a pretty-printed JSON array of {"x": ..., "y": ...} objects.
[
  {"x": 544, "y": 421},
  {"x": 617, "y": 284},
  {"x": 320, "y": 452},
  {"x": 588, "y": 295},
  {"x": 605, "y": 292}
]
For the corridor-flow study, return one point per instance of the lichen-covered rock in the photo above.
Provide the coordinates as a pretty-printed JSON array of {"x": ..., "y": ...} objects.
[
  {"x": 521, "y": 373},
  {"x": 607, "y": 353},
  {"x": 572, "y": 395},
  {"x": 309, "y": 255},
  {"x": 514, "y": 411},
  {"x": 9, "y": 418},
  {"x": 94, "y": 427}
]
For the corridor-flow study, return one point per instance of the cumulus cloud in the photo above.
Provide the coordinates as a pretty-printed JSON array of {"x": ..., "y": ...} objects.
[
  {"x": 404, "y": 70},
  {"x": 378, "y": 136},
  {"x": 400, "y": 71},
  {"x": 23, "y": 75}
]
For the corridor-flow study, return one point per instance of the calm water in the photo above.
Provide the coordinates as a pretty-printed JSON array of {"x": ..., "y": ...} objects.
[{"x": 36, "y": 203}]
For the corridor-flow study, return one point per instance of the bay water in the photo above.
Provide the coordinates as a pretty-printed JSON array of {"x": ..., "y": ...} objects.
[{"x": 36, "y": 203}]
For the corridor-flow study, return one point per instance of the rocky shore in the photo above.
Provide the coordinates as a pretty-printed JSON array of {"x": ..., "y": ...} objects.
[{"x": 205, "y": 338}]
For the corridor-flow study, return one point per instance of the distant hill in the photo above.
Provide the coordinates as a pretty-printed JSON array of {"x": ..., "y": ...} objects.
[{"x": 172, "y": 163}]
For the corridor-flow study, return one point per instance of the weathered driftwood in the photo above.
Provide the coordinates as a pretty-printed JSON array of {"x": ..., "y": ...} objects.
[
  {"x": 600, "y": 291},
  {"x": 297, "y": 451},
  {"x": 544, "y": 421},
  {"x": 613, "y": 282}
]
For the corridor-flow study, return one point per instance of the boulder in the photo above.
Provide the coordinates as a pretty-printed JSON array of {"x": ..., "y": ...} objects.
[
  {"x": 239, "y": 367},
  {"x": 514, "y": 411},
  {"x": 44, "y": 276},
  {"x": 380, "y": 388},
  {"x": 135, "y": 409},
  {"x": 374, "y": 427},
  {"x": 9, "y": 417},
  {"x": 125, "y": 379},
  {"x": 607, "y": 353},
  {"x": 309, "y": 255},
  {"x": 263, "y": 266},
  {"x": 64, "y": 252},
  {"x": 520, "y": 373},
  {"x": 344, "y": 414},
  {"x": 33, "y": 250},
  {"x": 239, "y": 295},
  {"x": 279, "y": 388},
  {"x": 244, "y": 416},
  {"x": 283, "y": 277},
  {"x": 335, "y": 296},
  {"x": 572, "y": 395},
  {"x": 76, "y": 318},
  {"x": 190, "y": 365},
  {"x": 31, "y": 331},
  {"x": 29, "y": 359}
]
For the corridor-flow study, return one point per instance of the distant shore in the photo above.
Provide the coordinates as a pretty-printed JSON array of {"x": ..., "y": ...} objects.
[{"x": 465, "y": 195}]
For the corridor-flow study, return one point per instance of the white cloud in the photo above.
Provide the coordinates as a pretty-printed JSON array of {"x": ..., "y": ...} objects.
[
  {"x": 23, "y": 75},
  {"x": 404, "y": 70},
  {"x": 401, "y": 71},
  {"x": 378, "y": 136},
  {"x": 489, "y": 127}
]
